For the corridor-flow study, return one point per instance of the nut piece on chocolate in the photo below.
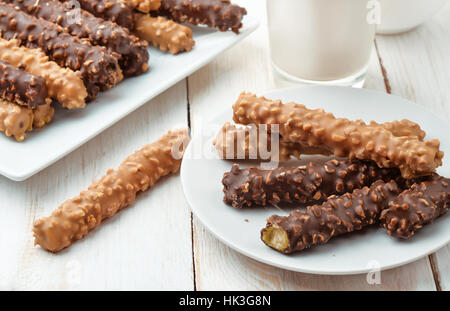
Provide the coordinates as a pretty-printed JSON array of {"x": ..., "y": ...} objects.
[
  {"x": 132, "y": 51},
  {"x": 99, "y": 68},
  {"x": 310, "y": 183},
  {"x": 219, "y": 14},
  {"x": 416, "y": 207},
  {"x": 338, "y": 215},
  {"x": 23, "y": 88}
]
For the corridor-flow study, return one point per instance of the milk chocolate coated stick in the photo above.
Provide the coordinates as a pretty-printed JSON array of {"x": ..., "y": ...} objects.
[
  {"x": 234, "y": 142},
  {"x": 99, "y": 68},
  {"x": 310, "y": 183},
  {"x": 338, "y": 215},
  {"x": 219, "y": 14},
  {"x": 163, "y": 33},
  {"x": 345, "y": 138},
  {"x": 116, "y": 190},
  {"x": 63, "y": 84},
  {"x": 21, "y": 87},
  {"x": 113, "y": 10},
  {"x": 16, "y": 120},
  {"x": 416, "y": 207},
  {"x": 133, "y": 52}
]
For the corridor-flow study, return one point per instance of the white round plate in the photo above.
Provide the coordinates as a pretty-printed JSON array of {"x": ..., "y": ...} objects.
[{"x": 359, "y": 252}]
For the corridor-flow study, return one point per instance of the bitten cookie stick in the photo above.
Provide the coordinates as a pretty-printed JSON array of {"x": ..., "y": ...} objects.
[
  {"x": 63, "y": 84},
  {"x": 234, "y": 142},
  {"x": 116, "y": 190},
  {"x": 416, "y": 207},
  {"x": 133, "y": 52},
  {"x": 99, "y": 68},
  {"x": 21, "y": 87},
  {"x": 343, "y": 137},
  {"x": 163, "y": 33},
  {"x": 113, "y": 10},
  {"x": 220, "y": 14},
  {"x": 16, "y": 120},
  {"x": 310, "y": 183},
  {"x": 338, "y": 215}
]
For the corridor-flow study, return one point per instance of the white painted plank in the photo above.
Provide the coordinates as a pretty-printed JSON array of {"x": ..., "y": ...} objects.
[
  {"x": 146, "y": 246},
  {"x": 418, "y": 66},
  {"x": 247, "y": 67}
]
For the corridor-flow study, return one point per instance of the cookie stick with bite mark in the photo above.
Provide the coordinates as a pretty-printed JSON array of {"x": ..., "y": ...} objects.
[
  {"x": 16, "y": 120},
  {"x": 337, "y": 215},
  {"x": 234, "y": 142},
  {"x": 221, "y": 14},
  {"x": 23, "y": 88},
  {"x": 99, "y": 67},
  {"x": 163, "y": 33},
  {"x": 308, "y": 183},
  {"x": 133, "y": 52},
  {"x": 63, "y": 84},
  {"x": 416, "y": 207},
  {"x": 76, "y": 217},
  {"x": 345, "y": 138}
]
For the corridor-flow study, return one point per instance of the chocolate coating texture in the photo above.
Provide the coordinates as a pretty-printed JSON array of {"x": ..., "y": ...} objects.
[
  {"x": 310, "y": 183},
  {"x": 99, "y": 68},
  {"x": 21, "y": 87},
  {"x": 416, "y": 207},
  {"x": 338, "y": 215},
  {"x": 220, "y": 14},
  {"x": 132, "y": 51}
]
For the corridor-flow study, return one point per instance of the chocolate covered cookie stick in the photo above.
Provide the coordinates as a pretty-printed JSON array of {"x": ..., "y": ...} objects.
[
  {"x": 113, "y": 192},
  {"x": 416, "y": 207},
  {"x": 310, "y": 183},
  {"x": 63, "y": 84},
  {"x": 234, "y": 142},
  {"x": 99, "y": 68},
  {"x": 221, "y": 14},
  {"x": 345, "y": 138},
  {"x": 163, "y": 33},
  {"x": 338, "y": 215},
  {"x": 16, "y": 120},
  {"x": 133, "y": 52},
  {"x": 114, "y": 10},
  {"x": 21, "y": 87}
]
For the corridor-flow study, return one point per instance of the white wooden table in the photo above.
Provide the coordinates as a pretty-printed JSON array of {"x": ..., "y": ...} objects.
[{"x": 157, "y": 244}]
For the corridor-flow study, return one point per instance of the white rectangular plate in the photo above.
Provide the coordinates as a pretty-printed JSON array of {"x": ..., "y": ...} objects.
[{"x": 70, "y": 129}]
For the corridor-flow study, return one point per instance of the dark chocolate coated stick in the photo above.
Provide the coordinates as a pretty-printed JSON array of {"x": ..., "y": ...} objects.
[
  {"x": 20, "y": 87},
  {"x": 338, "y": 215},
  {"x": 99, "y": 68},
  {"x": 416, "y": 207},
  {"x": 220, "y": 14},
  {"x": 133, "y": 52},
  {"x": 310, "y": 183},
  {"x": 113, "y": 10}
]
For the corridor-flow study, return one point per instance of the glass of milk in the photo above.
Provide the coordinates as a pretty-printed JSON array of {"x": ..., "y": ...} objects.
[{"x": 322, "y": 41}]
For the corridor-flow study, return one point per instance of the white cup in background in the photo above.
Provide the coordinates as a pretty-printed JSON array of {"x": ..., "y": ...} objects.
[
  {"x": 321, "y": 41},
  {"x": 398, "y": 16}
]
